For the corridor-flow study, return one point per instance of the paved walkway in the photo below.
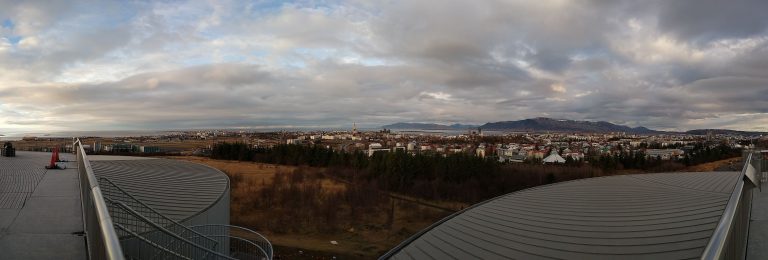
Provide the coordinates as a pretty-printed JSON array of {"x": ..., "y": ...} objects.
[
  {"x": 757, "y": 246},
  {"x": 39, "y": 209}
]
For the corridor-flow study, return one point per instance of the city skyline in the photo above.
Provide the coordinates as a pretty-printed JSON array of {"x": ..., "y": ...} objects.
[{"x": 665, "y": 65}]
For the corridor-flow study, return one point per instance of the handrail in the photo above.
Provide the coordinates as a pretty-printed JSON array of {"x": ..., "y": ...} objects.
[
  {"x": 101, "y": 240},
  {"x": 170, "y": 222},
  {"x": 716, "y": 248},
  {"x": 245, "y": 240},
  {"x": 266, "y": 249},
  {"x": 145, "y": 240},
  {"x": 162, "y": 229}
]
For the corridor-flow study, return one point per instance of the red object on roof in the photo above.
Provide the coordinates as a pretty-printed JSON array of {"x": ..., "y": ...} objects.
[
  {"x": 56, "y": 154},
  {"x": 54, "y": 159}
]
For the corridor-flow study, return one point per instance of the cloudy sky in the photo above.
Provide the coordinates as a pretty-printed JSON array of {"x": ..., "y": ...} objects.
[{"x": 672, "y": 65}]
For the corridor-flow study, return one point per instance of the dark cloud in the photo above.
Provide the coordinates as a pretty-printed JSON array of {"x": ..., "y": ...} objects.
[{"x": 707, "y": 20}]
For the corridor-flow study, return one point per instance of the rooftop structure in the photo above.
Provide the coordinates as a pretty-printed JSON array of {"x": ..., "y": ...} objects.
[
  {"x": 179, "y": 190},
  {"x": 118, "y": 208},
  {"x": 650, "y": 216}
]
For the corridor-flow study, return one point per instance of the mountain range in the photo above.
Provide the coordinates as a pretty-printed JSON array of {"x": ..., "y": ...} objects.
[
  {"x": 562, "y": 125},
  {"x": 543, "y": 124},
  {"x": 427, "y": 126},
  {"x": 724, "y": 131}
]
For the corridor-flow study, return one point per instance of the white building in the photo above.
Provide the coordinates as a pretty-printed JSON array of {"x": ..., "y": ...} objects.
[
  {"x": 294, "y": 141},
  {"x": 664, "y": 154},
  {"x": 376, "y": 147},
  {"x": 554, "y": 158}
]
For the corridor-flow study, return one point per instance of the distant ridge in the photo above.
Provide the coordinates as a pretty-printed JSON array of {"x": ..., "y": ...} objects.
[
  {"x": 724, "y": 131},
  {"x": 544, "y": 124},
  {"x": 561, "y": 125},
  {"x": 428, "y": 126},
  {"x": 541, "y": 124}
]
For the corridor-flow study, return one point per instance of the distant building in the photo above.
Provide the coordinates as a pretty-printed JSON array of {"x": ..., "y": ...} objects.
[
  {"x": 575, "y": 156},
  {"x": 149, "y": 149},
  {"x": 376, "y": 147},
  {"x": 119, "y": 148},
  {"x": 517, "y": 158},
  {"x": 480, "y": 151},
  {"x": 537, "y": 154},
  {"x": 554, "y": 158},
  {"x": 664, "y": 154},
  {"x": 296, "y": 141}
]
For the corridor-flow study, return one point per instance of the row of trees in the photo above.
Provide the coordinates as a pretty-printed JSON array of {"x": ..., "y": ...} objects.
[
  {"x": 460, "y": 177},
  {"x": 638, "y": 159},
  {"x": 703, "y": 154},
  {"x": 316, "y": 156}
]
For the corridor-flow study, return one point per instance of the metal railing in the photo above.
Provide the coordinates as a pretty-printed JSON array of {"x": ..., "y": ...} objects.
[
  {"x": 729, "y": 240},
  {"x": 154, "y": 241},
  {"x": 113, "y": 192},
  {"x": 143, "y": 238},
  {"x": 101, "y": 239},
  {"x": 243, "y": 243},
  {"x": 145, "y": 233},
  {"x": 146, "y": 243}
]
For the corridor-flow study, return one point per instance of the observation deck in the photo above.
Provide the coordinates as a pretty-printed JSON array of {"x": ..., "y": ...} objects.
[
  {"x": 40, "y": 209},
  {"x": 115, "y": 207}
]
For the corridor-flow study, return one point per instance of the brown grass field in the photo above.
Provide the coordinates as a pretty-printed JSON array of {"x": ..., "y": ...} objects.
[
  {"x": 713, "y": 166},
  {"x": 366, "y": 236}
]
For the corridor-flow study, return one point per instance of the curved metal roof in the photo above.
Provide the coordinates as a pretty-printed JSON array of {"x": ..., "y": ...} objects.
[
  {"x": 649, "y": 216},
  {"x": 177, "y": 189}
]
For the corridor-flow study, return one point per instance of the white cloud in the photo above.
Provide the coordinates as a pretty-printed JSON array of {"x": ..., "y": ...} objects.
[
  {"x": 5, "y": 45},
  {"x": 558, "y": 87},
  {"x": 29, "y": 43},
  {"x": 437, "y": 95}
]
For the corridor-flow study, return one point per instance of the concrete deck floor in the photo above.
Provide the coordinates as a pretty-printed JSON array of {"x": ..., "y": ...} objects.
[
  {"x": 39, "y": 209},
  {"x": 757, "y": 244}
]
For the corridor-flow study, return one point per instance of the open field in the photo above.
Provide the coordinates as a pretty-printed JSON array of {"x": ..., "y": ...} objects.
[
  {"x": 732, "y": 164},
  {"x": 259, "y": 172},
  {"x": 360, "y": 229}
]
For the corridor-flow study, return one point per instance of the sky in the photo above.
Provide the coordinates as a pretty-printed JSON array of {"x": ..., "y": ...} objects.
[{"x": 117, "y": 65}]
